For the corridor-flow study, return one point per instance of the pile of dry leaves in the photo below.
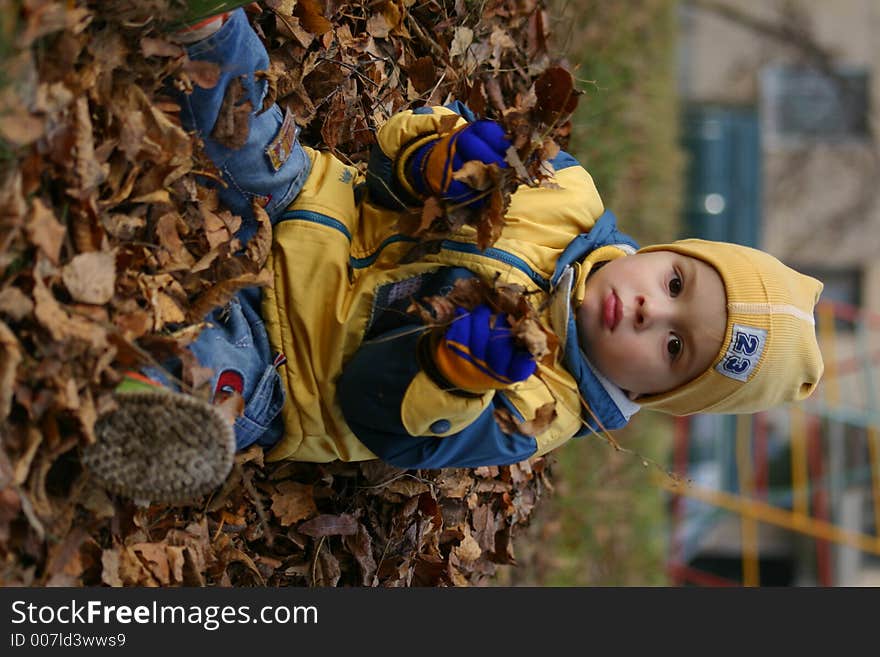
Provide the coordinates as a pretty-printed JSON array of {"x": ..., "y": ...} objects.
[{"x": 110, "y": 255}]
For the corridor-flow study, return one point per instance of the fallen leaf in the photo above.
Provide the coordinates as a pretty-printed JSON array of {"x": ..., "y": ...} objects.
[
  {"x": 420, "y": 220},
  {"x": 154, "y": 558},
  {"x": 45, "y": 230},
  {"x": 556, "y": 95},
  {"x": 360, "y": 545},
  {"x": 468, "y": 550},
  {"x": 91, "y": 277},
  {"x": 153, "y": 47},
  {"x": 544, "y": 417},
  {"x": 476, "y": 174},
  {"x": 461, "y": 41},
  {"x": 110, "y": 567},
  {"x": 233, "y": 120},
  {"x": 329, "y": 525},
  {"x": 327, "y": 570},
  {"x": 10, "y": 357},
  {"x": 490, "y": 227},
  {"x": 529, "y": 333},
  {"x": 204, "y": 74},
  {"x": 62, "y": 326},
  {"x": 292, "y": 502},
  {"x": 422, "y": 73},
  {"x": 311, "y": 16}
]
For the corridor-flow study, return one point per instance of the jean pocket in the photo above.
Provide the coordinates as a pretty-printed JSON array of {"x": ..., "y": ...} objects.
[{"x": 261, "y": 420}]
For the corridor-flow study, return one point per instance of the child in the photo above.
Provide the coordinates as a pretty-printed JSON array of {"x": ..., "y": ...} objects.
[{"x": 331, "y": 366}]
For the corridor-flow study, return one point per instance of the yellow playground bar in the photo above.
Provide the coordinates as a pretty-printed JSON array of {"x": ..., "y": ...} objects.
[{"x": 790, "y": 497}]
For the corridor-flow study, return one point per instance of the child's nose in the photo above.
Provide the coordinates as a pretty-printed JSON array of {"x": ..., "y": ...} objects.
[
  {"x": 649, "y": 311},
  {"x": 640, "y": 316}
]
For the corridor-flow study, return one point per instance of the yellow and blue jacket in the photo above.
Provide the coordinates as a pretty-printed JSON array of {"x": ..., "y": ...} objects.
[{"x": 337, "y": 311}]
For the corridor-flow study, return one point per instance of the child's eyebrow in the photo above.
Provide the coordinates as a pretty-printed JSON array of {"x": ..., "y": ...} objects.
[{"x": 689, "y": 274}]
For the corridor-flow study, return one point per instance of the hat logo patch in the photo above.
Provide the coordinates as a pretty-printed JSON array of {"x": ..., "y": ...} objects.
[{"x": 743, "y": 352}]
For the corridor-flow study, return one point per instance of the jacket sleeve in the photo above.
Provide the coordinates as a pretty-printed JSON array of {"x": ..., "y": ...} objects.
[
  {"x": 407, "y": 420},
  {"x": 397, "y": 139}
]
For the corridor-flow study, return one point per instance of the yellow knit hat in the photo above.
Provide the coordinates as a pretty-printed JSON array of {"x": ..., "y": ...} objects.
[{"x": 769, "y": 355}]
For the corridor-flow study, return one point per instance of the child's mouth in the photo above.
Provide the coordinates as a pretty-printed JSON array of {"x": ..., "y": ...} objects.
[{"x": 612, "y": 311}]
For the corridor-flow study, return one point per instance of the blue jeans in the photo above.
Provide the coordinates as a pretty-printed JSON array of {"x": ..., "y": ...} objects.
[
  {"x": 251, "y": 172},
  {"x": 270, "y": 167}
]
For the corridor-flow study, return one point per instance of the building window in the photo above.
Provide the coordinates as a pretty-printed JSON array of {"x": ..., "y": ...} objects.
[{"x": 804, "y": 104}]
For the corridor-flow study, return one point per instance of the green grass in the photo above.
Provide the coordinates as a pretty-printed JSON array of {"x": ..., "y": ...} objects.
[
  {"x": 606, "y": 523},
  {"x": 626, "y": 126},
  {"x": 612, "y": 524}
]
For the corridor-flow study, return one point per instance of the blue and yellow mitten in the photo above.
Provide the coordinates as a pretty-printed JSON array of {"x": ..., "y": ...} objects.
[
  {"x": 431, "y": 167},
  {"x": 478, "y": 352}
]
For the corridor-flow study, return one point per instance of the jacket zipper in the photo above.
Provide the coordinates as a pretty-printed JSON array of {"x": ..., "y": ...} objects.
[{"x": 462, "y": 247}]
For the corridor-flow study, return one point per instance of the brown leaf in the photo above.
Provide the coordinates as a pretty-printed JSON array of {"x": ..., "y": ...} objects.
[
  {"x": 10, "y": 357},
  {"x": 63, "y": 326},
  {"x": 233, "y": 119},
  {"x": 544, "y": 417},
  {"x": 153, "y": 47},
  {"x": 422, "y": 73},
  {"x": 469, "y": 292},
  {"x": 556, "y": 95},
  {"x": 230, "y": 405},
  {"x": 455, "y": 482},
  {"x": 468, "y": 550},
  {"x": 123, "y": 226},
  {"x": 378, "y": 26},
  {"x": 91, "y": 277},
  {"x": 260, "y": 244},
  {"x": 154, "y": 558},
  {"x": 329, "y": 525},
  {"x": 21, "y": 128},
  {"x": 419, "y": 221},
  {"x": 204, "y": 74},
  {"x": 15, "y": 303},
  {"x": 327, "y": 570},
  {"x": 88, "y": 169},
  {"x": 311, "y": 16},
  {"x": 361, "y": 546},
  {"x": 176, "y": 255},
  {"x": 336, "y": 122},
  {"x": 461, "y": 41},
  {"x": 165, "y": 310},
  {"x": 434, "y": 310},
  {"x": 483, "y": 521},
  {"x": 110, "y": 567},
  {"x": 530, "y": 334},
  {"x": 10, "y": 507},
  {"x": 220, "y": 294},
  {"x": 292, "y": 502},
  {"x": 448, "y": 123},
  {"x": 476, "y": 174},
  {"x": 490, "y": 227},
  {"x": 45, "y": 231},
  {"x": 378, "y": 472},
  {"x": 407, "y": 486}
]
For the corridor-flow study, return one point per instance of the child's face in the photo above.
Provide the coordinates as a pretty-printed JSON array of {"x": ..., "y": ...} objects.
[{"x": 651, "y": 322}]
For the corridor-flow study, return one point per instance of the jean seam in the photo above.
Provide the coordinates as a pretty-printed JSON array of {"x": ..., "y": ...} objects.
[{"x": 213, "y": 42}]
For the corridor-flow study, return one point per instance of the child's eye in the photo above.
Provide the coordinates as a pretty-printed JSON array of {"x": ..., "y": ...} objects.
[
  {"x": 673, "y": 346},
  {"x": 675, "y": 285}
]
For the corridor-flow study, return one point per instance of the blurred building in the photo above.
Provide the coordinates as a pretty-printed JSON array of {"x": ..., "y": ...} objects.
[{"x": 779, "y": 103}]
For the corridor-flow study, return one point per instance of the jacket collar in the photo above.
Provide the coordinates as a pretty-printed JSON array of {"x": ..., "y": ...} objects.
[{"x": 604, "y": 242}]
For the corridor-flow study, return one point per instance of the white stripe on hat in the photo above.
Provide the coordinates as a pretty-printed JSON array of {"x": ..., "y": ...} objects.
[{"x": 771, "y": 309}]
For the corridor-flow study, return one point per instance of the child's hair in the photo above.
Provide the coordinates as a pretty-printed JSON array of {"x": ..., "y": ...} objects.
[{"x": 769, "y": 354}]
